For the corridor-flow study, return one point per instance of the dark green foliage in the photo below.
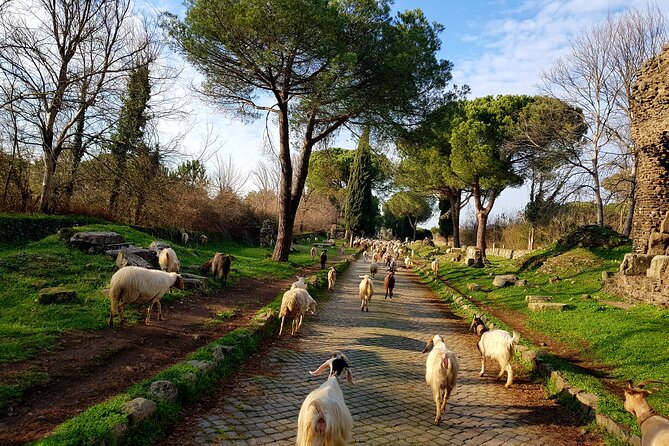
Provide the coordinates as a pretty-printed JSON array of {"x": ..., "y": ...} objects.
[
  {"x": 359, "y": 215},
  {"x": 409, "y": 206},
  {"x": 445, "y": 222},
  {"x": 592, "y": 236}
]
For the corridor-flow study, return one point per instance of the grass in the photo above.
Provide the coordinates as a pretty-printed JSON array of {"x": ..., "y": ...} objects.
[
  {"x": 629, "y": 343},
  {"x": 27, "y": 327}
]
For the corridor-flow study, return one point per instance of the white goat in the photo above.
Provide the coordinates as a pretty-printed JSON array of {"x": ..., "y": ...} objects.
[
  {"x": 184, "y": 237},
  {"x": 299, "y": 283},
  {"x": 366, "y": 290},
  {"x": 332, "y": 278},
  {"x": 495, "y": 344},
  {"x": 324, "y": 419},
  {"x": 133, "y": 284},
  {"x": 435, "y": 267},
  {"x": 441, "y": 373},
  {"x": 654, "y": 427},
  {"x": 312, "y": 251},
  {"x": 168, "y": 261},
  {"x": 365, "y": 256},
  {"x": 373, "y": 269},
  {"x": 408, "y": 263},
  {"x": 296, "y": 302}
]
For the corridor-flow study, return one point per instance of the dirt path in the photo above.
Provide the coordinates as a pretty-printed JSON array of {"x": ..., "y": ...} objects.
[{"x": 390, "y": 401}]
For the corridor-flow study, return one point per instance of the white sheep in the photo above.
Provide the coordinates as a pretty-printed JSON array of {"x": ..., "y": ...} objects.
[
  {"x": 168, "y": 261},
  {"x": 296, "y": 302},
  {"x": 435, "y": 267},
  {"x": 654, "y": 427},
  {"x": 133, "y": 284},
  {"x": 312, "y": 251},
  {"x": 373, "y": 269},
  {"x": 498, "y": 345},
  {"x": 365, "y": 256},
  {"x": 366, "y": 290},
  {"x": 408, "y": 263},
  {"x": 441, "y": 373},
  {"x": 184, "y": 237},
  {"x": 324, "y": 418},
  {"x": 332, "y": 278},
  {"x": 299, "y": 283}
]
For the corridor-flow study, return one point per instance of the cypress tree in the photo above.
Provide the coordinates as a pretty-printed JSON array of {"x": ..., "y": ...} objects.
[{"x": 359, "y": 215}]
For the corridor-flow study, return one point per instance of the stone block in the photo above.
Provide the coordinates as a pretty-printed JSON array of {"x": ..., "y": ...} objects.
[
  {"x": 218, "y": 353},
  {"x": 546, "y": 306},
  {"x": 522, "y": 282},
  {"x": 536, "y": 299},
  {"x": 164, "y": 390},
  {"x": 473, "y": 287},
  {"x": 606, "y": 276},
  {"x": 658, "y": 243},
  {"x": 139, "y": 409},
  {"x": 203, "y": 366},
  {"x": 635, "y": 264},
  {"x": 56, "y": 295},
  {"x": 659, "y": 268},
  {"x": 504, "y": 280},
  {"x": 588, "y": 399},
  {"x": 664, "y": 226},
  {"x": 613, "y": 427}
]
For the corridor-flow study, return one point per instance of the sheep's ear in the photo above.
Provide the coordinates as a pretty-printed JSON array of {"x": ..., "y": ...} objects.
[
  {"x": 349, "y": 376},
  {"x": 326, "y": 365}
]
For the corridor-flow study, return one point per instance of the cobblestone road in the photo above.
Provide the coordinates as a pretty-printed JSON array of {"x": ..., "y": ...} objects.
[{"x": 390, "y": 402}]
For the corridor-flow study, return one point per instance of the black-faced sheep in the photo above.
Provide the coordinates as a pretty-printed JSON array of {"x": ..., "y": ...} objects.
[
  {"x": 133, "y": 284},
  {"x": 324, "y": 418},
  {"x": 168, "y": 261}
]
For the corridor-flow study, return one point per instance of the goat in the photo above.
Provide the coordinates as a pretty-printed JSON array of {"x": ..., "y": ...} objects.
[
  {"x": 324, "y": 258},
  {"x": 332, "y": 278},
  {"x": 296, "y": 302},
  {"x": 495, "y": 344},
  {"x": 324, "y": 418},
  {"x": 366, "y": 290},
  {"x": 220, "y": 266},
  {"x": 365, "y": 256},
  {"x": 389, "y": 283},
  {"x": 435, "y": 267},
  {"x": 184, "y": 238},
  {"x": 654, "y": 427},
  {"x": 168, "y": 261},
  {"x": 203, "y": 239},
  {"x": 312, "y": 251},
  {"x": 373, "y": 269},
  {"x": 441, "y": 373},
  {"x": 133, "y": 284}
]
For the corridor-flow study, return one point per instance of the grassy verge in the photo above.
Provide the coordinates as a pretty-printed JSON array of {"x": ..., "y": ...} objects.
[
  {"x": 107, "y": 423},
  {"x": 630, "y": 343}
]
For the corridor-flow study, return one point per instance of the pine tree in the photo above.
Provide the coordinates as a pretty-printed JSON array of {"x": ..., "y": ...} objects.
[{"x": 359, "y": 215}]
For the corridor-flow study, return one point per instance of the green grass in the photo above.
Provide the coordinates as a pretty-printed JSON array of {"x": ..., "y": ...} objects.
[{"x": 630, "y": 344}]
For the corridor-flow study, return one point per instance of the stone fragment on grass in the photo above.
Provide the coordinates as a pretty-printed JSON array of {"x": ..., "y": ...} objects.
[
  {"x": 473, "y": 286},
  {"x": 56, "y": 295},
  {"x": 164, "y": 390},
  {"x": 635, "y": 264},
  {"x": 546, "y": 306},
  {"x": 522, "y": 282},
  {"x": 139, "y": 409},
  {"x": 536, "y": 299},
  {"x": 504, "y": 280},
  {"x": 203, "y": 366},
  {"x": 218, "y": 353}
]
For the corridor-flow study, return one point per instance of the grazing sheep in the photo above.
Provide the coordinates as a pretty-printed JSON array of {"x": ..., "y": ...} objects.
[
  {"x": 373, "y": 269},
  {"x": 168, "y": 261},
  {"x": 365, "y": 256},
  {"x": 299, "y": 283},
  {"x": 133, "y": 284},
  {"x": 332, "y": 278},
  {"x": 221, "y": 265},
  {"x": 435, "y": 267},
  {"x": 366, "y": 290},
  {"x": 324, "y": 258},
  {"x": 495, "y": 344},
  {"x": 654, "y": 427},
  {"x": 324, "y": 418},
  {"x": 203, "y": 239},
  {"x": 389, "y": 284},
  {"x": 441, "y": 373},
  {"x": 295, "y": 303},
  {"x": 312, "y": 251},
  {"x": 184, "y": 238}
]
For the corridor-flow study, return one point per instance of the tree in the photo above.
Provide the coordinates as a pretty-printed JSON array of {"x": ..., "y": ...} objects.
[
  {"x": 410, "y": 206},
  {"x": 359, "y": 214},
  {"x": 483, "y": 156},
  {"x": 193, "y": 173},
  {"x": 51, "y": 50},
  {"x": 318, "y": 66}
]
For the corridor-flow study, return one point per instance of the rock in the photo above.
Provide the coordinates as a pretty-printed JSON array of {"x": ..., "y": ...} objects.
[
  {"x": 530, "y": 356},
  {"x": 504, "y": 280},
  {"x": 158, "y": 246},
  {"x": 546, "y": 306},
  {"x": 218, "y": 353},
  {"x": 96, "y": 241},
  {"x": 190, "y": 378},
  {"x": 125, "y": 258},
  {"x": 588, "y": 399},
  {"x": 164, "y": 390},
  {"x": 65, "y": 234},
  {"x": 473, "y": 287},
  {"x": 139, "y": 409},
  {"x": 196, "y": 284},
  {"x": 203, "y": 366},
  {"x": 119, "y": 431},
  {"x": 658, "y": 243},
  {"x": 635, "y": 264},
  {"x": 537, "y": 299},
  {"x": 522, "y": 282},
  {"x": 586, "y": 296},
  {"x": 659, "y": 268},
  {"x": 473, "y": 257},
  {"x": 606, "y": 276},
  {"x": 56, "y": 295},
  {"x": 664, "y": 226}
]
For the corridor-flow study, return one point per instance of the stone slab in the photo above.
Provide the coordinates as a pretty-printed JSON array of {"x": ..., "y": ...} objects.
[
  {"x": 659, "y": 268},
  {"x": 546, "y": 306},
  {"x": 536, "y": 299},
  {"x": 635, "y": 264}
]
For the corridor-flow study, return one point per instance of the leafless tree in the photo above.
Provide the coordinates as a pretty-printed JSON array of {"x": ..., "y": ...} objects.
[
  {"x": 228, "y": 177},
  {"x": 266, "y": 176},
  {"x": 64, "y": 54}
]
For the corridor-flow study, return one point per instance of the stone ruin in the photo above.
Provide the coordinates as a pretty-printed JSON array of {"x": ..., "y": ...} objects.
[
  {"x": 267, "y": 233},
  {"x": 644, "y": 274}
]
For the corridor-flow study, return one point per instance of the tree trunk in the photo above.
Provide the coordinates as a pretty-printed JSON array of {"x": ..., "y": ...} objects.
[
  {"x": 627, "y": 229},
  {"x": 530, "y": 239},
  {"x": 481, "y": 223},
  {"x": 599, "y": 204},
  {"x": 77, "y": 155},
  {"x": 456, "y": 202},
  {"x": 286, "y": 215},
  {"x": 47, "y": 180}
]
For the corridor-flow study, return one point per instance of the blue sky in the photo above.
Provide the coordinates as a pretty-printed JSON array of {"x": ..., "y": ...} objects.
[{"x": 496, "y": 46}]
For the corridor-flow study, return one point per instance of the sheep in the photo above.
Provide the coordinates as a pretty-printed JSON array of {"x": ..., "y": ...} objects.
[
  {"x": 299, "y": 283},
  {"x": 202, "y": 239},
  {"x": 373, "y": 269},
  {"x": 366, "y": 290},
  {"x": 408, "y": 263},
  {"x": 221, "y": 265},
  {"x": 296, "y": 302},
  {"x": 654, "y": 427},
  {"x": 324, "y": 258},
  {"x": 441, "y": 373},
  {"x": 133, "y": 284},
  {"x": 312, "y": 251},
  {"x": 168, "y": 261},
  {"x": 324, "y": 418},
  {"x": 365, "y": 256},
  {"x": 184, "y": 238},
  {"x": 435, "y": 267},
  {"x": 332, "y": 278},
  {"x": 389, "y": 283},
  {"x": 393, "y": 264},
  {"x": 495, "y": 344}
]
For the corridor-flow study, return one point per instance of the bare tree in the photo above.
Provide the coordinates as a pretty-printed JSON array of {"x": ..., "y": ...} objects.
[
  {"x": 228, "y": 177},
  {"x": 266, "y": 176},
  {"x": 54, "y": 47}
]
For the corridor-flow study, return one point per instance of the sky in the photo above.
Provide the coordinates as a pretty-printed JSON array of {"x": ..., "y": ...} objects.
[{"x": 496, "y": 47}]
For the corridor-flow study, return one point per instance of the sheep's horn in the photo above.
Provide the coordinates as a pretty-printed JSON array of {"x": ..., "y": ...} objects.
[
  {"x": 326, "y": 365},
  {"x": 471, "y": 327}
]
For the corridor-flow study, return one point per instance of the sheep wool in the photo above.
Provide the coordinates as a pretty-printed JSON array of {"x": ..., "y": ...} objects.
[
  {"x": 295, "y": 303},
  {"x": 332, "y": 278},
  {"x": 133, "y": 284},
  {"x": 168, "y": 260},
  {"x": 441, "y": 373},
  {"x": 366, "y": 290}
]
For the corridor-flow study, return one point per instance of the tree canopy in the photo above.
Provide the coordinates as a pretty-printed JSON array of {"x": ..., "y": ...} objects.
[{"x": 410, "y": 206}]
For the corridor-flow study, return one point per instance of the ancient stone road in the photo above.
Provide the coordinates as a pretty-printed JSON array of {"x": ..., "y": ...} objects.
[{"x": 390, "y": 402}]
